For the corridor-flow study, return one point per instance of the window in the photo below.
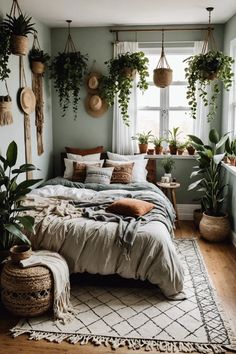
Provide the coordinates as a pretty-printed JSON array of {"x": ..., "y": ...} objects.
[
  {"x": 232, "y": 94},
  {"x": 160, "y": 110}
]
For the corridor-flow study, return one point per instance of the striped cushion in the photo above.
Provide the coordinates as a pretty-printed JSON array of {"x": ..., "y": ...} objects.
[
  {"x": 98, "y": 175},
  {"x": 79, "y": 172}
]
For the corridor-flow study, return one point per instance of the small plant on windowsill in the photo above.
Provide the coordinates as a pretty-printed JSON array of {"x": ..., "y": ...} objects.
[
  {"x": 158, "y": 144},
  {"x": 230, "y": 148},
  {"x": 173, "y": 140},
  {"x": 143, "y": 140}
]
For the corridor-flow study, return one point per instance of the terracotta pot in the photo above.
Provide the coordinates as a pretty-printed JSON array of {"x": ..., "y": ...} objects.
[
  {"x": 143, "y": 148},
  {"x": 232, "y": 161},
  {"x": 180, "y": 151},
  {"x": 37, "y": 67},
  {"x": 191, "y": 150},
  {"x": 20, "y": 252},
  {"x": 150, "y": 151},
  {"x": 129, "y": 72},
  {"x": 197, "y": 217},
  {"x": 214, "y": 228},
  {"x": 173, "y": 149},
  {"x": 19, "y": 45},
  {"x": 162, "y": 77},
  {"x": 158, "y": 150}
]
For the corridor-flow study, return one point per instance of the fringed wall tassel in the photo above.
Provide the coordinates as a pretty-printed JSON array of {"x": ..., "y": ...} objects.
[{"x": 6, "y": 117}]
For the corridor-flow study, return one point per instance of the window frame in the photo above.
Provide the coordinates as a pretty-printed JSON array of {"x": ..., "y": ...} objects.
[{"x": 165, "y": 106}]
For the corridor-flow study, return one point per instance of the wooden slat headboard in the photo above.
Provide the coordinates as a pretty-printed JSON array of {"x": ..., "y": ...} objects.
[{"x": 151, "y": 166}]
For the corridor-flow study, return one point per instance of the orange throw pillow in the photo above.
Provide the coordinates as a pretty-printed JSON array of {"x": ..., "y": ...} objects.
[
  {"x": 130, "y": 207},
  {"x": 121, "y": 173},
  {"x": 82, "y": 152}
]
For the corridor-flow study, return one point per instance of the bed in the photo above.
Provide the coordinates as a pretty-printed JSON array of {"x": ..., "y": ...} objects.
[{"x": 72, "y": 219}]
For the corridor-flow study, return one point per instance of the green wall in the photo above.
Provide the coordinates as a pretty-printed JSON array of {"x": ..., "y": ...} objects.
[
  {"x": 15, "y": 131},
  {"x": 88, "y": 132},
  {"x": 230, "y": 33}
]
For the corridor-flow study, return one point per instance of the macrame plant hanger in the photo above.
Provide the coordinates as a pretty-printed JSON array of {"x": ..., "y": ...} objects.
[
  {"x": 209, "y": 41},
  {"x": 162, "y": 75},
  {"x": 37, "y": 87},
  {"x": 70, "y": 46},
  {"x": 15, "y": 8}
]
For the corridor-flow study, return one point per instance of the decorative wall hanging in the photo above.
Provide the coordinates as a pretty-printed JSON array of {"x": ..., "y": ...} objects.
[
  {"x": 5, "y": 109},
  {"x": 95, "y": 104},
  {"x": 204, "y": 70},
  {"x": 120, "y": 79},
  {"x": 162, "y": 75},
  {"x": 27, "y": 102},
  {"x": 18, "y": 26},
  {"x": 68, "y": 71},
  {"x": 38, "y": 61}
]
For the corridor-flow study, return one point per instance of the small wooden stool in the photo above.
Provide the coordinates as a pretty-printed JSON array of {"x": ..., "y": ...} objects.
[
  {"x": 170, "y": 188},
  {"x": 26, "y": 292}
]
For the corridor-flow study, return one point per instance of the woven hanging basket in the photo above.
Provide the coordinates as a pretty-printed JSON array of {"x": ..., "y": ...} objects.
[
  {"x": 162, "y": 77},
  {"x": 5, "y": 110},
  {"x": 37, "y": 67},
  {"x": 129, "y": 72},
  {"x": 19, "y": 45}
]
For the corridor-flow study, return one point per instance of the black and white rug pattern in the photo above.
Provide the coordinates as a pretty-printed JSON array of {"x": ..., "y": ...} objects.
[{"x": 142, "y": 317}]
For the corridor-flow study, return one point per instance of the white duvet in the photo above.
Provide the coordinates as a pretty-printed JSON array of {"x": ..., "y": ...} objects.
[{"x": 90, "y": 246}]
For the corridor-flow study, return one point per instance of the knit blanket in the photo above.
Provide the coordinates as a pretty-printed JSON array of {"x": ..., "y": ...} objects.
[{"x": 62, "y": 308}]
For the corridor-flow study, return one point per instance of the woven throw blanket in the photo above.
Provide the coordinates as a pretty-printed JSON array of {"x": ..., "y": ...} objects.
[{"x": 61, "y": 307}]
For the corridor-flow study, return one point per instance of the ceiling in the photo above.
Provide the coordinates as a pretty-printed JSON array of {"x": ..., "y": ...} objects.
[{"x": 127, "y": 12}]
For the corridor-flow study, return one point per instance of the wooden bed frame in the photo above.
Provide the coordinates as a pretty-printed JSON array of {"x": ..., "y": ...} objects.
[{"x": 151, "y": 166}]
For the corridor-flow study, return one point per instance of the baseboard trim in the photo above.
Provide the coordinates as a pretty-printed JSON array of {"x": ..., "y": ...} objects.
[
  {"x": 186, "y": 211},
  {"x": 233, "y": 238}
]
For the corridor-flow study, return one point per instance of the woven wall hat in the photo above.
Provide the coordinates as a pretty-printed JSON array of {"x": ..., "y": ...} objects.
[
  {"x": 95, "y": 105},
  {"x": 27, "y": 100},
  {"x": 93, "y": 82}
]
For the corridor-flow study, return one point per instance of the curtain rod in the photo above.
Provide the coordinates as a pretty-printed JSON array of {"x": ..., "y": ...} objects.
[{"x": 161, "y": 29}]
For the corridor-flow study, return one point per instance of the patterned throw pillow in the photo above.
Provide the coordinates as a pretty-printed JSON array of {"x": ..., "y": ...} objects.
[
  {"x": 121, "y": 173},
  {"x": 130, "y": 207},
  {"x": 98, "y": 175},
  {"x": 79, "y": 173}
]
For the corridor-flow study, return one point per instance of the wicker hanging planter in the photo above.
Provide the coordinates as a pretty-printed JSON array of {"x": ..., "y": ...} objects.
[
  {"x": 6, "y": 109},
  {"x": 37, "y": 67},
  {"x": 129, "y": 72},
  {"x": 19, "y": 45},
  {"x": 162, "y": 75}
]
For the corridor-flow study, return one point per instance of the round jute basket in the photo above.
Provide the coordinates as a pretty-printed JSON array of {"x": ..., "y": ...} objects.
[
  {"x": 19, "y": 45},
  {"x": 214, "y": 228},
  {"x": 129, "y": 72},
  {"x": 26, "y": 292},
  {"x": 37, "y": 67},
  {"x": 162, "y": 77}
]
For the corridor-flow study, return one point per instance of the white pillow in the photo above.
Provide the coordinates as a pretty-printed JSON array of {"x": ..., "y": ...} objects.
[
  {"x": 69, "y": 168},
  {"x": 118, "y": 157},
  {"x": 91, "y": 157},
  {"x": 139, "y": 173}
]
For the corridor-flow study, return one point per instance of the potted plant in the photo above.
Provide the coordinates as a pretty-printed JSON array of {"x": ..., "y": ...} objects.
[
  {"x": 143, "y": 140},
  {"x": 181, "y": 147},
  {"x": 38, "y": 59},
  {"x": 173, "y": 142},
  {"x": 157, "y": 143},
  {"x": 190, "y": 148},
  {"x": 168, "y": 164},
  {"x": 121, "y": 72},
  {"x": 68, "y": 71},
  {"x": 13, "y": 223},
  {"x": 203, "y": 70},
  {"x": 214, "y": 225},
  {"x": 230, "y": 148},
  {"x": 18, "y": 28}
]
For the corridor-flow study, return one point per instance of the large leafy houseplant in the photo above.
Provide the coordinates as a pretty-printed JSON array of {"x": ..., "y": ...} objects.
[
  {"x": 206, "y": 70},
  {"x": 121, "y": 71},
  {"x": 210, "y": 183},
  {"x": 67, "y": 71},
  {"x": 13, "y": 223}
]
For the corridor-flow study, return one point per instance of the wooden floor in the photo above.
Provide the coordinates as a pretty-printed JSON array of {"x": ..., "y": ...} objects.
[{"x": 221, "y": 264}]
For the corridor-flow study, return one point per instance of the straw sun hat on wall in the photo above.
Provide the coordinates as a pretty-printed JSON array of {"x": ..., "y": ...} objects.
[
  {"x": 92, "y": 82},
  {"x": 95, "y": 105}
]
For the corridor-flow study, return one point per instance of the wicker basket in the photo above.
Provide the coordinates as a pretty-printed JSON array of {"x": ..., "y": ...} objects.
[
  {"x": 162, "y": 77},
  {"x": 27, "y": 292},
  {"x": 214, "y": 228},
  {"x": 37, "y": 67},
  {"x": 19, "y": 45},
  {"x": 129, "y": 72}
]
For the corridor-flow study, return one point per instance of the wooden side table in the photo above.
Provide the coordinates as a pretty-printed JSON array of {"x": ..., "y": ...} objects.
[{"x": 169, "y": 188}]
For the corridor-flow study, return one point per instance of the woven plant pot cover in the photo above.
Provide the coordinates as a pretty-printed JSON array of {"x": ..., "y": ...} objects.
[
  {"x": 19, "y": 45},
  {"x": 27, "y": 292}
]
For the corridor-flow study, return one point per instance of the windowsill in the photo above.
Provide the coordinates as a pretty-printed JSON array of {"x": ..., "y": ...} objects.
[
  {"x": 177, "y": 157},
  {"x": 231, "y": 169}
]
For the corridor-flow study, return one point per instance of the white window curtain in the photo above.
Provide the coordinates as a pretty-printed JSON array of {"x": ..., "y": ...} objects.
[
  {"x": 201, "y": 127},
  {"x": 121, "y": 135}
]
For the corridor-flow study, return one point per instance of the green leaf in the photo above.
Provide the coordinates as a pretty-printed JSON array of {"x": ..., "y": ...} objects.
[
  {"x": 12, "y": 154},
  {"x": 26, "y": 184},
  {"x": 196, "y": 173},
  {"x": 13, "y": 229},
  {"x": 218, "y": 158},
  {"x": 222, "y": 141},
  {"x": 194, "y": 184},
  {"x": 196, "y": 140},
  {"x": 214, "y": 136},
  {"x": 27, "y": 221}
]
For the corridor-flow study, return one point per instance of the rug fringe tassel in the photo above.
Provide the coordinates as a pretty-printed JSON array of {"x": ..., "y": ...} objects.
[{"x": 135, "y": 344}]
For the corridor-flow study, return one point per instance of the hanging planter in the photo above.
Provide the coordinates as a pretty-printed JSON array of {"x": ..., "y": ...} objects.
[
  {"x": 68, "y": 70},
  {"x": 162, "y": 75},
  {"x": 18, "y": 26},
  {"x": 205, "y": 71}
]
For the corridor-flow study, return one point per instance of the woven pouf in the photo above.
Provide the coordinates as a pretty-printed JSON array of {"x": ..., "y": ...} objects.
[{"x": 26, "y": 292}]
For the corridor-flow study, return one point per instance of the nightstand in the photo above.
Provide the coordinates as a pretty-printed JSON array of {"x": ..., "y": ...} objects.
[{"x": 169, "y": 190}]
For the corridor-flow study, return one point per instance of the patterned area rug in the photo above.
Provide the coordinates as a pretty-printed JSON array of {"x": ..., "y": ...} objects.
[{"x": 141, "y": 317}]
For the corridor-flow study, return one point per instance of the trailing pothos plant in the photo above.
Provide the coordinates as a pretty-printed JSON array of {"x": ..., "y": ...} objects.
[
  {"x": 204, "y": 71},
  {"x": 68, "y": 70},
  {"x": 121, "y": 71},
  {"x": 4, "y": 52},
  {"x": 13, "y": 223}
]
